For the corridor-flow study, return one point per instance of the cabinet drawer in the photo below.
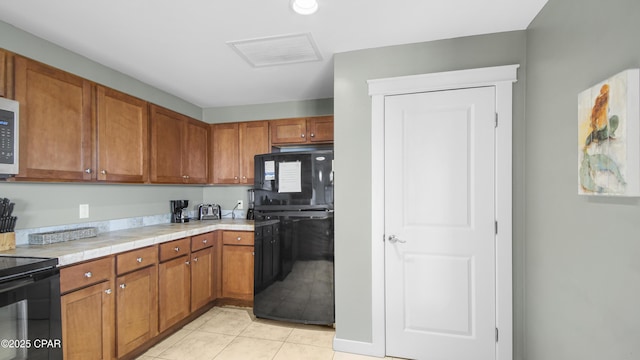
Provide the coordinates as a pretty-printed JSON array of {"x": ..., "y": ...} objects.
[
  {"x": 136, "y": 259},
  {"x": 237, "y": 238},
  {"x": 202, "y": 241},
  {"x": 85, "y": 274},
  {"x": 173, "y": 249}
]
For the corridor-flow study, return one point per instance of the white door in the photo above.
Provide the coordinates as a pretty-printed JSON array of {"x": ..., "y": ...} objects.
[{"x": 440, "y": 277}]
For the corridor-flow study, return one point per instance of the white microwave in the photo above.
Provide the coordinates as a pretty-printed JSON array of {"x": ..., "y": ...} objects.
[{"x": 9, "y": 125}]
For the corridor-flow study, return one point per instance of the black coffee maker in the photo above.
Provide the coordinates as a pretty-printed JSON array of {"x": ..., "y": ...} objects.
[
  {"x": 179, "y": 211},
  {"x": 252, "y": 202}
]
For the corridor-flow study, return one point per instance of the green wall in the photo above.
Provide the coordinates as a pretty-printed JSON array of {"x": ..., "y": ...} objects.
[
  {"x": 582, "y": 253},
  {"x": 353, "y": 157},
  {"x": 269, "y": 111}
]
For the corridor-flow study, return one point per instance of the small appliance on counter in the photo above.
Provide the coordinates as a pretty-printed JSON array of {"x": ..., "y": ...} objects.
[
  {"x": 179, "y": 211},
  {"x": 209, "y": 212},
  {"x": 252, "y": 203}
]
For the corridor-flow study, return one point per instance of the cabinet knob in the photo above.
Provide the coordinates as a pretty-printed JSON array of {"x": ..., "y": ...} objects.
[
  {"x": 187, "y": 263},
  {"x": 313, "y": 135},
  {"x": 88, "y": 171},
  {"x": 108, "y": 291},
  {"x": 139, "y": 259},
  {"x": 177, "y": 249},
  {"x": 204, "y": 241},
  {"x": 239, "y": 238},
  {"x": 235, "y": 178},
  {"x": 122, "y": 286},
  {"x": 88, "y": 274},
  {"x": 103, "y": 172},
  {"x": 195, "y": 259},
  {"x": 302, "y": 135}
]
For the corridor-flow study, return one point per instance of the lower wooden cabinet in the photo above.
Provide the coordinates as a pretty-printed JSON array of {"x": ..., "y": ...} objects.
[
  {"x": 113, "y": 306},
  {"x": 136, "y": 308},
  {"x": 87, "y": 310},
  {"x": 88, "y": 324},
  {"x": 173, "y": 292},
  {"x": 202, "y": 285},
  {"x": 237, "y": 265}
]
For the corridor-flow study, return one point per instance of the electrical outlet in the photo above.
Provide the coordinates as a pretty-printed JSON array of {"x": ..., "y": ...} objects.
[
  {"x": 83, "y": 211},
  {"x": 240, "y": 205}
]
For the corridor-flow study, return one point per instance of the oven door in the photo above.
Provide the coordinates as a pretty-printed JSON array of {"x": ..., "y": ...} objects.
[{"x": 30, "y": 326}]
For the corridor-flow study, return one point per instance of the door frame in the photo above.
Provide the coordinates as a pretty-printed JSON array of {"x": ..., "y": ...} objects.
[{"x": 502, "y": 78}]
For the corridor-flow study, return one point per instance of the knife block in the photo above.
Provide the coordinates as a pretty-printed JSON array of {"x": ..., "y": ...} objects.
[{"x": 7, "y": 241}]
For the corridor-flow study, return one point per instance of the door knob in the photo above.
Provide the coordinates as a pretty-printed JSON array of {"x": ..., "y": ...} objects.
[{"x": 395, "y": 239}]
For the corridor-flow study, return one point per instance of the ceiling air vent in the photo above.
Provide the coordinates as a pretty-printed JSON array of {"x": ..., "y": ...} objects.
[{"x": 277, "y": 50}]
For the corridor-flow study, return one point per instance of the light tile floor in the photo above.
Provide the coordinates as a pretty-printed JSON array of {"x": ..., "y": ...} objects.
[{"x": 227, "y": 333}]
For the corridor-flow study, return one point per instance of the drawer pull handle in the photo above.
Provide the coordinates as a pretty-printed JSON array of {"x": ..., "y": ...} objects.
[
  {"x": 108, "y": 291},
  {"x": 239, "y": 238},
  {"x": 177, "y": 249},
  {"x": 204, "y": 241},
  {"x": 88, "y": 274},
  {"x": 122, "y": 286},
  {"x": 139, "y": 259}
]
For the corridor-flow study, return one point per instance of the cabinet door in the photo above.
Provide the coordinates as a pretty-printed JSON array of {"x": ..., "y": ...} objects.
[
  {"x": 167, "y": 144},
  {"x": 196, "y": 153},
  {"x": 225, "y": 153},
  {"x": 237, "y": 272},
  {"x": 88, "y": 323},
  {"x": 289, "y": 131},
  {"x": 254, "y": 140},
  {"x": 201, "y": 278},
  {"x": 320, "y": 129},
  {"x": 174, "y": 278},
  {"x": 137, "y": 309},
  {"x": 123, "y": 133},
  {"x": 56, "y": 132},
  {"x": 6, "y": 74}
]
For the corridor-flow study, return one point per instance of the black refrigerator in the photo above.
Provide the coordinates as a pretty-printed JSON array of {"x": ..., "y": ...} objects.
[{"x": 294, "y": 237}]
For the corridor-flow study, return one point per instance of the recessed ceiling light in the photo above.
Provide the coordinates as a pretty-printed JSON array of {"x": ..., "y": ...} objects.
[{"x": 304, "y": 7}]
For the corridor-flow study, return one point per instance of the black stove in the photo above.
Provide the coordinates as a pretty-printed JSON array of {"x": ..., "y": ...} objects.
[{"x": 19, "y": 266}]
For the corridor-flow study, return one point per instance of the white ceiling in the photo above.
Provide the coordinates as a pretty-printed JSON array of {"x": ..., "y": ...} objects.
[{"x": 179, "y": 46}]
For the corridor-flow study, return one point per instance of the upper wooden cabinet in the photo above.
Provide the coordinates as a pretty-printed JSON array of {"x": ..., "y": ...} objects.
[
  {"x": 179, "y": 148},
  {"x": 317, "y": 129},
  {"x": 56, "y": 127},
  {"x": 123, "y": 137},
  {"x": 6, "y": 74},
  {"x": 234, "y": 146}
]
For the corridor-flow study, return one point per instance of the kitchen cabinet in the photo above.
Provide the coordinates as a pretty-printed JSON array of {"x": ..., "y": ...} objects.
[
  {"x": 203, "y": 274},
  {"x": 136, "y": 298},
  {"x": 174, "y": 282},
  {"x": 87, "y": 310},
  {"x": 122, "y": 133},
  {"x": 62, "y": 140},
  {"x": 237, "y": 265},
  {"x": 179, "y": 148},
  {"x": 234, "y": 146},
  {"x": 309, "y": 130},
  {"x": 6, "y": 74},
  {"x": 56, "y": 126}
]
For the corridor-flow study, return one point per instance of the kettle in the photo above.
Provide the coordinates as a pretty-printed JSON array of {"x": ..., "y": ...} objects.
[{"x": 209, "y": 212}]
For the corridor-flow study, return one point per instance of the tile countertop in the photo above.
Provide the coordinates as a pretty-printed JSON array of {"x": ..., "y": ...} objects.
[{"x": 114, "y": 242}]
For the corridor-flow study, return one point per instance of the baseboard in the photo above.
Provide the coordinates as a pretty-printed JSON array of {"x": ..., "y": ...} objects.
[{"x": 358, "y": 347}]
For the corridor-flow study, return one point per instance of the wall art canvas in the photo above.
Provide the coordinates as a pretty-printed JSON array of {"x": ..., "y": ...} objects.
[{"x": 609, "y": 137}]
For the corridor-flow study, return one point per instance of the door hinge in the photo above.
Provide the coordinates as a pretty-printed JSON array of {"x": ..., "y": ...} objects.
[
  {"x": 496, "y": 119},
  {"x": 496, "y": 334},
  {"x": 496, "y": 227}
]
